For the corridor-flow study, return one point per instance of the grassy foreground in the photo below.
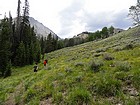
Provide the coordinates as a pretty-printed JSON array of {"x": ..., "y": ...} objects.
[{"x": 105, "y": 72}]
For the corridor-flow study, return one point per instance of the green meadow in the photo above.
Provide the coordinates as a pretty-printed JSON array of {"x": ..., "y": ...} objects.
[{"x": 103, "y": 72}]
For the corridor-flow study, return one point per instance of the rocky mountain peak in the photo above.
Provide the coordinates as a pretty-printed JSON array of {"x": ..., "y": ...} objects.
[{"x": 40, "y": 29}]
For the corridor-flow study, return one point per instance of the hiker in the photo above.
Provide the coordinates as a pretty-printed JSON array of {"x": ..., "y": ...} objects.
[
  {"x": 35, "y": 67},
  {"x": 45, "y": 63}
]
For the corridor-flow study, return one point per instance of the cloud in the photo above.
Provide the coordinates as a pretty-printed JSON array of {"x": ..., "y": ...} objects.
[
  {"x": 122, "y": 20},
  {"x": 77, "y": 19},
  {"x": 70, "y": 18},
  {"x": 102, "y": 19}
]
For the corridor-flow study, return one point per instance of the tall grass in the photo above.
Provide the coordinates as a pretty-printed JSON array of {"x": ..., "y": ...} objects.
[{"x": 93, "y": 73}]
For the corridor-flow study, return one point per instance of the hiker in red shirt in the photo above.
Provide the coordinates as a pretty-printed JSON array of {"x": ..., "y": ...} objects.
[{"x": 45, "y": 63}]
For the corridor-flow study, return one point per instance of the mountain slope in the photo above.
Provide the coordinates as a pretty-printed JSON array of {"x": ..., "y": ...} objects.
[
  {"x": 40, "y": 29},
  {"x": 105, "y": 72}
]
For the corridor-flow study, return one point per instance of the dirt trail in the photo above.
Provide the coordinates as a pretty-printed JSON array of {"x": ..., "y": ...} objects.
[{"x": 13, "y": 96}]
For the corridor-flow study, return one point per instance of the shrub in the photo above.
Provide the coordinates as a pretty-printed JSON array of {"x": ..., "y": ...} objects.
[
  {"x": 107, "y": 86},
  {"x": 124, "y": 47},
  {"x": 128, "y": 46},
  {"x": 100, "y": 50},
  {"x": 79, "y": 64},
  {"x": 108, "y": 57},
  {"x": 136, "y": 79},
  {"x": 98, "y": 54},
  {"x": 78, "y": 78},
  {"x": 120, "y": 75},
  {"x": 95, "y": 65},
  {"x": 7, "y": 71},
  {"x": 34, "y": 101},
  {"x": 79, "y": 96},
  {"x": 30, "y": 94},
  {"x": 68, "y": 70},
  {"x": 123, "y": 66},
  {"x": 118, "y": 48},
  {"x": 57, "y": 97}
]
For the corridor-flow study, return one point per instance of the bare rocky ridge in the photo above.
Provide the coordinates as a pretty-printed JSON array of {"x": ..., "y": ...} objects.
[{"x": 40, "y": 29}]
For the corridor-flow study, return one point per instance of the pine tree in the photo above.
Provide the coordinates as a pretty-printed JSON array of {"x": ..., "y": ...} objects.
[
  {"x": 26, "y": 13},
  {"x": 111, "y": 30},
  {"x": 104, "y": 32},
  {"x": 25, "y": 22},
  {"x": 66, "y": 42},
  {"x": 18, "y": 21},
  {"x": 60, "y": 44},
  {"x": 54, "y": 43},
  {"x": 5, "y": 46},
  {"x": 42, "y": 44},
  {"x": 37, "y": 51},
  {"x": 31, "y": 57},
  {"x": 20, "y": 59},
  {"x": 16, "y": 34},
  {"x": 25, "y": 48},
  {"x": 71, "y": 42},
  {"x": 23, "y": 54},
  {"x": 49, "y": 43}
]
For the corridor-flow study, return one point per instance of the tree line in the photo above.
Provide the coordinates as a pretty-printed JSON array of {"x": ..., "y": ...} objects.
[
  {"x": 19, "y": 45},
  {"x": 67, "y": 42}
]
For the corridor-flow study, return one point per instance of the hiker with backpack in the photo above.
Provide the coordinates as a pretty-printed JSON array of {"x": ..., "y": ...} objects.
[
  {"x": 45, "y": 63},
  {"x": 35, "y": 67}
]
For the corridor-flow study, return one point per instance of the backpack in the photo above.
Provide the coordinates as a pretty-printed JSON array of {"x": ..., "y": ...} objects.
[{"x": 46, "y": 61}]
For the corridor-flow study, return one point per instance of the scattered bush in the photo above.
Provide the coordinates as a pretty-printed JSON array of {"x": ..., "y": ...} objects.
[
  {"x": 100, "y": 50},
  {"x": 57, "y": 97},
  {"x": 125, "y": 47},
  {"x": 128, "y": 47},
  {"x": 79, "y": 64},
  {"x": 95, "y": 65},
  {"x": 123, "y": 66},
  {"x": 98, "y": 54},
  {"x": 108, "y": 57},
  {"x": 126, "y": 78},
  {"x": 78, "y": 78},
  {"x": 120, "y": 75},
  {"x": 118, "y": 48},
  {"x": 79, "y": 96},
  {"x": 136, "y": 79},
  {"x": 107, "y": 86},
  {"x": 34, "y": 101},
  {"x": 31, "y": 93},
  {"x": 68, "y": 70},
  {"x": 72, "y": 58}
]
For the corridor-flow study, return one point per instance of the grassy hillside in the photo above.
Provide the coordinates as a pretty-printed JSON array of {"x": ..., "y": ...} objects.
[{"x": 105, "y": 72}]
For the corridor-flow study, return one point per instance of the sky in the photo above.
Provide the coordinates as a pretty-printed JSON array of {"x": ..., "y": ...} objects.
[{"x": 68, "y": 18}]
